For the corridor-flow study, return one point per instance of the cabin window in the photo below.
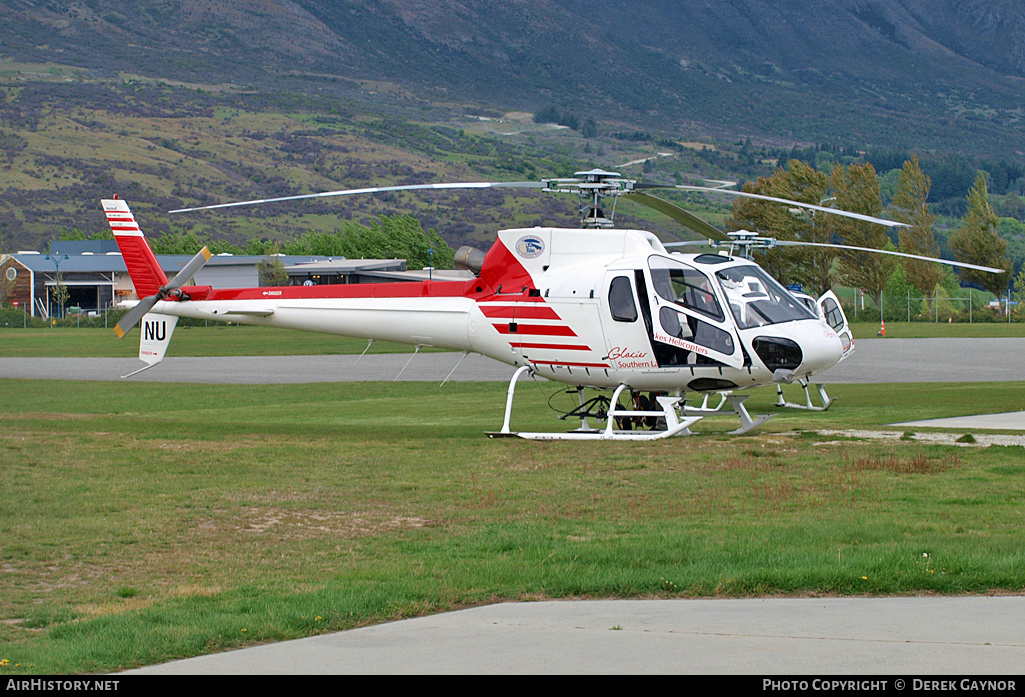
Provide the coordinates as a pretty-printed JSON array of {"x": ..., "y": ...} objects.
[
  {"x": 684, "y": 286},
  {"x": 621, "y": 300},
  {"x": 694, "y": 330},
  {"x": 834, "y": 317}
]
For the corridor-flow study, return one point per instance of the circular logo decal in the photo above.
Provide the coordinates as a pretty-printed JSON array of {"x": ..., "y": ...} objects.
[{"x": 530, "y": 246}]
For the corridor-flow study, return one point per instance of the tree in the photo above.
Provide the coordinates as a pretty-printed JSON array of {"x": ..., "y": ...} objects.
[
  {"x": 272, "y": 271},
  {"x": 59, "y": 292},
  {"x": 857, "y": 190},
  {"x": 548, "y": 114},
  {"x": 977, "y": 241},
  {"x": 176, "y": 243},
  {"x": 388, "y": 237},
  {"x": 810, "y": 266},
  {"x": 1019, "y": 290},
  {"x": 909, "y": 206}
]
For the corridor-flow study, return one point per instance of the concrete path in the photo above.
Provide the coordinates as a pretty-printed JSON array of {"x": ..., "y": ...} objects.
[
  {"x": 899, "y": 637},
  {"x": 1010, "y": 421}
]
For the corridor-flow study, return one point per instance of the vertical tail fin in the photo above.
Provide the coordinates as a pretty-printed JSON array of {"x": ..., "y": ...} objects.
[
  {"x": 142, "y": 264},
  {"x": 156, "y": 337}
]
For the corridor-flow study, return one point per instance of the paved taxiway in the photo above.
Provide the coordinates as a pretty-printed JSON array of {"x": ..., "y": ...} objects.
[
  {"x": 874, "y": 361},
  {"x": 792, "y": 636}
]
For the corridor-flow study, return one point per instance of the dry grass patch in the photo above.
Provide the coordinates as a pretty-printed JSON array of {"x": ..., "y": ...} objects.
[
  {"x": 290, "y": 524},
  {"x": 915, "y": 464},
  {"x": 191, "y": 590},
  {"x": 114, "y": 607}
]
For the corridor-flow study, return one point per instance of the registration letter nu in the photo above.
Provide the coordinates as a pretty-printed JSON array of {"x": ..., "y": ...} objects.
[{"x": 155, "y": 331}]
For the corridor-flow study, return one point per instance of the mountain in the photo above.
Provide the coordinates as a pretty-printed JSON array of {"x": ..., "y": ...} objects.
[
  {"x": 173, "y": 104},
  {"x": 915, "y": 74}
]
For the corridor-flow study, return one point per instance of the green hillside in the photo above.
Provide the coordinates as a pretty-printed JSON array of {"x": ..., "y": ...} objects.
[
  {"x": 921, "y": 74},
  {"x": 72, "y": 137}
]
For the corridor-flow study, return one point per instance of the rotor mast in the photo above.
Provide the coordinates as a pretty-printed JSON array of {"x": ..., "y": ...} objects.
[{"x": 591, "y": 187}]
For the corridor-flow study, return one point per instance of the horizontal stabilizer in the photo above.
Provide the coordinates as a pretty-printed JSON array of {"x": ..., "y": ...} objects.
[{"x": 249, "y": 313}]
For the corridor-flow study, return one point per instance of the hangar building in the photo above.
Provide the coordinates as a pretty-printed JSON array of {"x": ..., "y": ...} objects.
[{"x": 96, "y": 278}]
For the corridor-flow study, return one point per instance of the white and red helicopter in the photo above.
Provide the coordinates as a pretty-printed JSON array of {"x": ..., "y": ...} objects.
[{"x": 594, "y": 307}]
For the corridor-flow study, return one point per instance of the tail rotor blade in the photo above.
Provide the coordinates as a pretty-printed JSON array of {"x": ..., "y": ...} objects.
[
  {"x": 147, "y": 303},
  {"x": 189, "y": 270},
  {"x": 134, "y": 315}
]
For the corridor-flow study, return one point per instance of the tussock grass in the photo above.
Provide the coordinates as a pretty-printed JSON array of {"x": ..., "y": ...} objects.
[{"x": 143, "y": 522}]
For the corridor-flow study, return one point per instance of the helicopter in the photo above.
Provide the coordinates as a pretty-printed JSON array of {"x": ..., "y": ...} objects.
[{"x": 594, "y": 307}]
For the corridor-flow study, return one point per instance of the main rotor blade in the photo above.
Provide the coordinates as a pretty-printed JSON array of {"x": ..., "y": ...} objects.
[
  {"x": 823, "y": 209},
  {"x": 133, "y": 316},
  {"x": 794, "y": 243},
  {"x": 189, "y": 270},
  {"x": 680, "y": 215},
  {"x": 374, "y": 190},
  {"x": 688, "y": 243}
]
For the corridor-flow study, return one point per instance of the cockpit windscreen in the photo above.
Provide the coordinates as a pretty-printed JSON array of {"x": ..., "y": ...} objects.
[{"x": 757, "y": 299}]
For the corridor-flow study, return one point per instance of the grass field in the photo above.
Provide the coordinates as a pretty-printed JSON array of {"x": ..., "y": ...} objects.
[
  {"x": 142, "y": 522},
  {"x": 924, "y": 330}
]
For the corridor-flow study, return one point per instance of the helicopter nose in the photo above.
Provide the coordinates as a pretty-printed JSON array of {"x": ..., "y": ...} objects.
[{"x": 821, "y": 347}]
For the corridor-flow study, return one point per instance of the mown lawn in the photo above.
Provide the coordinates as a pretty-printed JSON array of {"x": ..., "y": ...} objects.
[{"x": 143, "y": 522}]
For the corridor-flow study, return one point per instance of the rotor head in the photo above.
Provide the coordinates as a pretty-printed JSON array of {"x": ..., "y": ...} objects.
[{"x": 591, "y": 187}]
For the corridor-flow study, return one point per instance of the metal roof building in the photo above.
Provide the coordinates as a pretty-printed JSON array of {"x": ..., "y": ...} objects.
[{"x": 96, "y": 278}]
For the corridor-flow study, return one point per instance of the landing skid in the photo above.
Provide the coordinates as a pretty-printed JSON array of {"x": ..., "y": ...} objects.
[
  {"x": 675, "y": 426},
  {"x": 746, "y": 422},
  {"x": 826, "y": 400},
  {"x": 736, "y": 404},
  {"x": 669, "y": 408},
  {"x": 706, "y": 410}
]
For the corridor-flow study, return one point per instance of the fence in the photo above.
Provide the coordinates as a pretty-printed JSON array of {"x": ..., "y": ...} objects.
[{"x": 976, "y": 306}]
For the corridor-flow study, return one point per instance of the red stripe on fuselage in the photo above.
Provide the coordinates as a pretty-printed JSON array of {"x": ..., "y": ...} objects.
[
  {"x": 516, "y": 312},
  {"x": 535, "y": 329}
]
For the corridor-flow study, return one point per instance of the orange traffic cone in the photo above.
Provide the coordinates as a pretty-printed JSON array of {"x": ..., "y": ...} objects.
[{"x": 882, "y": 328}]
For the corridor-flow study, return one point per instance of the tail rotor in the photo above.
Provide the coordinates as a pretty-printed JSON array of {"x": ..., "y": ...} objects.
[{"x": 169, "y": 290}]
